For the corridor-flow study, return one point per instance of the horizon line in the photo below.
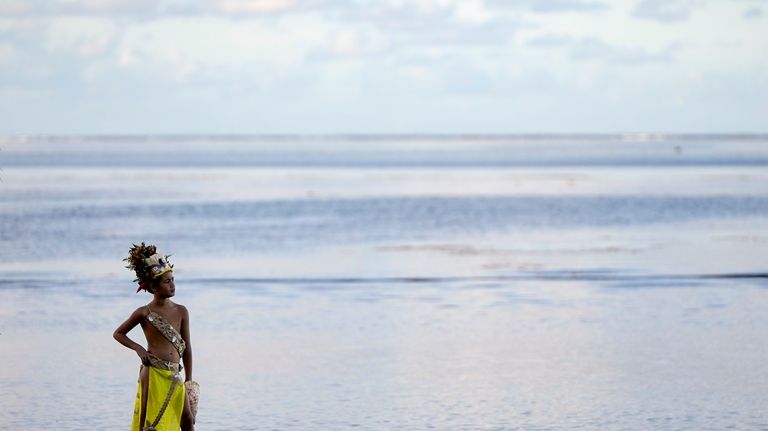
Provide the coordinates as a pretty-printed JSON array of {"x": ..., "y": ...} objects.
[{"x": 633, "y": 136}]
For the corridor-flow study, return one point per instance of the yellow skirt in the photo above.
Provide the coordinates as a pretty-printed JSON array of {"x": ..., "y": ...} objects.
[{"x": 160, "y": 383}]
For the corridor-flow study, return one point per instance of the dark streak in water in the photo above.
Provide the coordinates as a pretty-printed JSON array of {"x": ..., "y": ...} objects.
[
  {"x": 536, "y": 276},
  {"x": 579, "y": 276},
  {"x": 539, "y": 276}
]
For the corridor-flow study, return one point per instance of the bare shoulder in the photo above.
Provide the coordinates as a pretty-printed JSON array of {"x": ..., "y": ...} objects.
[
  {"x": 183, "y": 310},
  {"x": 137, "y": 316},
  {"x": 142, "y": 311}
]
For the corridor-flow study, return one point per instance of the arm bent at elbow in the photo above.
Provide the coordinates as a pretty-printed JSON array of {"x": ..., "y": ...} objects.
[{"x": 122, "y": 338}]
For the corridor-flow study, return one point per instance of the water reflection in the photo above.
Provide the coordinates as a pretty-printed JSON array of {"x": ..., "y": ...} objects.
[{"x": 446, "y": 355}]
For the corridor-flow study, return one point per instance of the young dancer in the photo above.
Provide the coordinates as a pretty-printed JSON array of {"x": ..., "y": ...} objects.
[{"x": 163, "y": 395}]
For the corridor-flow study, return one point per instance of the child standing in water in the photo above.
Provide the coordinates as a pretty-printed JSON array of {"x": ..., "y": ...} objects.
[{"x": 163, "y": 397}]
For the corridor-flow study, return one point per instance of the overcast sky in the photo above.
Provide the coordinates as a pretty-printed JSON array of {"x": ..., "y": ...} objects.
[{"x": 383, "y": 66}]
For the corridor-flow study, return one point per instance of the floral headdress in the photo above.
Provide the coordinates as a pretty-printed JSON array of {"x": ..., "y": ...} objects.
[{"x": 147, "y": 264}]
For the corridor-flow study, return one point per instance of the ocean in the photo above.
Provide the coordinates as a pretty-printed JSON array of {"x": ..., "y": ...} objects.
[{"x": 522, "y": 282}]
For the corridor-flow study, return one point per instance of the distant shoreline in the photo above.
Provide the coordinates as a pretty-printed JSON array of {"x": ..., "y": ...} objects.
[{"x": 511, "y": 137}]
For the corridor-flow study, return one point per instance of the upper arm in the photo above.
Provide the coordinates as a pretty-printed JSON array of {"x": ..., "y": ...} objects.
[
  {"x": 184, "y": 324},
  {"x": 134, "y": 319}
]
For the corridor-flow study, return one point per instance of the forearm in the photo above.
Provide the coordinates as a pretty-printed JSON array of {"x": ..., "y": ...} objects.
[
  {"x": 127, "y": 342},
  {"x": 187, "y": 363}
]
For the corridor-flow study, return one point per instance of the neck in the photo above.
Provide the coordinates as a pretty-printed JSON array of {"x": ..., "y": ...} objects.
[{"x": 159, "y": 301}]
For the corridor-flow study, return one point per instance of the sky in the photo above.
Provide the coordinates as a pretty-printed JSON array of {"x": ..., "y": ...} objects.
[{"x": 383, "y": 66}]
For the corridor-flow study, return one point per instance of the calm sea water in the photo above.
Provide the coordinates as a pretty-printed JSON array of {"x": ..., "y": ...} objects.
[{"x": 410, "y": 282}]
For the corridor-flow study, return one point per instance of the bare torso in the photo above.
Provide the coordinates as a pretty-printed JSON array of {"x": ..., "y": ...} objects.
[{"x": 157, "y": 344}]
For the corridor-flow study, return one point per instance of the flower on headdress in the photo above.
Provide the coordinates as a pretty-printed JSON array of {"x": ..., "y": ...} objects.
[{"x": 146, "y": 264}]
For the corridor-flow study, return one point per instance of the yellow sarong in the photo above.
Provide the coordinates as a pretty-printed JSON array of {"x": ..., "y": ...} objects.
[{"x": 160, "y": 383}]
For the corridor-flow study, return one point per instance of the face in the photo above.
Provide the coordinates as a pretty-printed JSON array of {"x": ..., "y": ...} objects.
[{"x": 164, "y": 286}]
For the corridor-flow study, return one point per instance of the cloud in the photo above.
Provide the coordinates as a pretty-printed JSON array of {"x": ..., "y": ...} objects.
[
  {"x": 62, "y": 51},
  {"x": 414, "y": 29},
  {"x": 83, "y": 37},
  {"x": 548, "y": 6},
  {"x": 254, "y": 6},
  {"x": 465, "y": 10},
  {"x": 153, "y": 8},
  {"x": 7, "y": 53},
  {"x": 568, "y": 6},
  {"x": 399, "y": 24},
  {"x": 303, "y": 65},
  {"x": 665, "y": 10},
  {"x": 43, "y": 8},
  {"x": 595, "y": 49},
  {"x": 753, "y": 12}
]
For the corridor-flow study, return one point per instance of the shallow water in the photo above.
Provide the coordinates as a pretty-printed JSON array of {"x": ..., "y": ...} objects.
[
  {"x": 406, "y": 355},
  {"x": 612, "y": 290}
]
